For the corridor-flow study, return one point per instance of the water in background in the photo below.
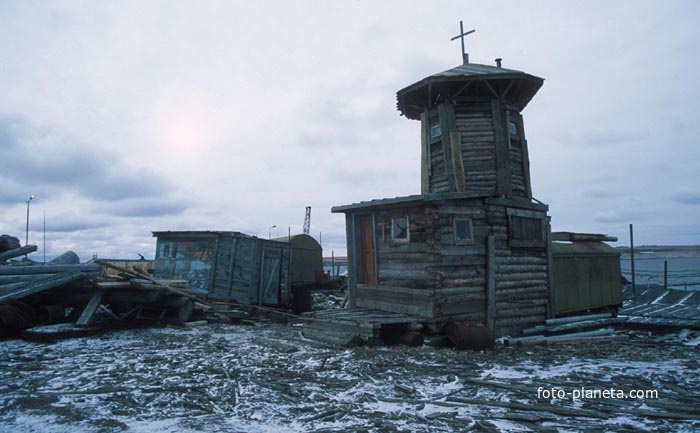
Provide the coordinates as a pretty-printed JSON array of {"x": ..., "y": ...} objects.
[{"x": 683, "y": 272}]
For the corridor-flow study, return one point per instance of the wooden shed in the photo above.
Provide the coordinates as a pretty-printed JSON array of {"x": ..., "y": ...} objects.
[
  {"x": 307, "y": 258},
  {"x": 226, "y": 265},
  {"x": 473, "y": 246}
]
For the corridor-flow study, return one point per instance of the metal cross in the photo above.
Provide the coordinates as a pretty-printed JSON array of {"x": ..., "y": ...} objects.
[{"x": 461, "y": 35}]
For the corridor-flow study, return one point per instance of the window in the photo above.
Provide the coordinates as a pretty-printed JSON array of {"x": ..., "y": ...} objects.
[
  {"x": 169, "y": 250},
  {"x": 463, "y": 231},
  {"x": 435, "y": 130},
  {"x": 513, "y": 129},
  {"x": 399, "y": 229}
]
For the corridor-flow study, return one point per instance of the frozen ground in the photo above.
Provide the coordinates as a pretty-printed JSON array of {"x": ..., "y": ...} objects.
[{"x": 266, "y": 378}]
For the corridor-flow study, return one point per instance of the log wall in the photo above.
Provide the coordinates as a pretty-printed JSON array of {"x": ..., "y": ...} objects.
[{"x": 436, "y": 279}]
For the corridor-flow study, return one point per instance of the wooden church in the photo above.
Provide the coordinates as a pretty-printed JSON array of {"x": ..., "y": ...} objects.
[{"x": 473, "y": 246}]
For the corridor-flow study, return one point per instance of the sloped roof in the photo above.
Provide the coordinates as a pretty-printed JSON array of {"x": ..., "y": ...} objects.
[{"x": 521, "y": 87}]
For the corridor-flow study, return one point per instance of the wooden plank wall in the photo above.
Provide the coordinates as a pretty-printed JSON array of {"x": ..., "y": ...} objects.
[
  {"x": 521, "y": 279},
  {"x": 477, "y": 141},
  {"x": 434, "y": 279},
  {"x": 517, "y": 157}
]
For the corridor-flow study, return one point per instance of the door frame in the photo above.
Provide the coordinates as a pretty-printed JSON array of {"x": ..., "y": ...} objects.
[{"x": 360, "y": 259}]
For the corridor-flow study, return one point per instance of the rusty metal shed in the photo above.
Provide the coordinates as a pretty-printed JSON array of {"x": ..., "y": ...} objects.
[
  {"x": 586, "y": 273},
  {"x": 307, "y": 258},
  {"x": 226, "y": 265}
]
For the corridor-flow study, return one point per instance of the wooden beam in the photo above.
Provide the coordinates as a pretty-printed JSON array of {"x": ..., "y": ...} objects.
[
  {"x": 446, "y": 147},
  {"x": 455, "y": 145},
  {"x": 31, "y": 287},
  {"x": 551, "y": 295},
  {"x": 495, "y": 94},
  {"x": 352, "y": 258},
  {"x": 526, "y": 156},
  {"x": 16, "y": 252},
  {"x": 503, "y": 174},
  {"x": 425, "y": 152},
  {"x": 491, "y": 282},
  {"x": 88, "y": 314},
  {"x": 47, "y": 269}
]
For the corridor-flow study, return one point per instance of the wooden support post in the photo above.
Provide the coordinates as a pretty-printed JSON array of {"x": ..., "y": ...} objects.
[
  {"x": 86, "y": 317},
  {"x": 634, "y": 285},
  {"x": 425, "y": 153},
  {"x": 491, "y": 283},
  {"x": 665, "y": 274},
  {"x": 503, "y": 172},
  {"x": 551, "y": 284},
  {"x": 452, "y": 136},
  {"x": 447, "y": 147}
]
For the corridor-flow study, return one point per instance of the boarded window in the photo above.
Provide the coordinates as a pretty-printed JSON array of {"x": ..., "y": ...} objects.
[
  {"x": 399, "y": 229},
  {"x": 463, "y": 231},
  {"x": 526, "y": 231}
]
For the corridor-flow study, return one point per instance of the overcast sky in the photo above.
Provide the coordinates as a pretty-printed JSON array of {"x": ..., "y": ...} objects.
[{"x": 124, "y": 117}]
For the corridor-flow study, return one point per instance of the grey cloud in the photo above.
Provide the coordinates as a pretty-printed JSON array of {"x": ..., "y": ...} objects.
[
  {"x": 148, "y": 207},
  {"x": 687, "y": 198},
  {"x": 54, "y": 163}
]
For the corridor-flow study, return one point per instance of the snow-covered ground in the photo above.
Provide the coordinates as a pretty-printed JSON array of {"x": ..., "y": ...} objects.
[{"x": 267, "y": 378}]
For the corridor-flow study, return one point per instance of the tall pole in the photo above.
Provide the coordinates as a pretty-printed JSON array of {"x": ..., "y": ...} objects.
[
  {"x": 665, "y": 274},
  {"x": 44, "y": 236},
  {"x": 269, "y": 232},
  {"x": 634, "y": 285},
  {"x": 26, "y": 239}
]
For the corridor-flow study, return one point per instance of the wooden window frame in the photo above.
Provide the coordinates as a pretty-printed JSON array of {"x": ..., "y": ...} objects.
[
  {"x": 470, "y": 240},
  {"x": 407, "y": 239},
  {"x": 526, "y": 243}
]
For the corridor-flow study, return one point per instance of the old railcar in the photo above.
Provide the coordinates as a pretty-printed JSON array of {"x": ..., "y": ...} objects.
[
  {"x": 226, "y": 265},
  {"x": 587, "y": 273},
  {"x": 307, "y": 258}
]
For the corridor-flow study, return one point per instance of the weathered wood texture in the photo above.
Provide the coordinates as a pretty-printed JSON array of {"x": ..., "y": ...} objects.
[
  {"x": 436, "y": 279},
  {"x": 483, "y": 148},
  {"x": 226, "y": 265}
]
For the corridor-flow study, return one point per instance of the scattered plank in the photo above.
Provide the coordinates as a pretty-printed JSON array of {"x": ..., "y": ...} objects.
[
  {"x": 31, "y": 287},
  {"x": 88, "y": 313}
]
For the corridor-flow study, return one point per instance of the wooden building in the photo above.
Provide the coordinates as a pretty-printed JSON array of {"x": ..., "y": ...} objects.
[
  {"x": 473, "y": 245},
  {"x": 226, "y": 265}
]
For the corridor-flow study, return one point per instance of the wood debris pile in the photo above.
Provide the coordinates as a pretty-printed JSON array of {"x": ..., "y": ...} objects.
[{"x": 65, "y": 290}]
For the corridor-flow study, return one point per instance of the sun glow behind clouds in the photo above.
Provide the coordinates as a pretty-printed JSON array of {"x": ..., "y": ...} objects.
[{"x": 183, "y": 133}]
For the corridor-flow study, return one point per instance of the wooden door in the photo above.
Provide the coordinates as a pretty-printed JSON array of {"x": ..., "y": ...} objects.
[
  {"x": 270, "y": 275},
  {"x": 368, "y": 271}
]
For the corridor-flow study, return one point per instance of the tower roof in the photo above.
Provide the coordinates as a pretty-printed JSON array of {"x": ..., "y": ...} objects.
[{"x": 469, "y": 81}]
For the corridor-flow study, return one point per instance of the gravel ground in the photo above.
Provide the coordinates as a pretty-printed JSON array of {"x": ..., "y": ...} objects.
[{"x": 267, "y": 378}]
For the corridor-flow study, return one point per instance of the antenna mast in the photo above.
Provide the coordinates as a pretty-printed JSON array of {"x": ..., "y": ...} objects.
[{"x": 307, "y": 220}]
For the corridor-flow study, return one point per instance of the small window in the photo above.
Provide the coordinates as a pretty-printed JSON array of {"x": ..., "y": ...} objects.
[
  {"x": 435, "y": 130},
  {"x": 463, "y": 231},
  {"x": 166, "y": 250},
  {"x": 513, "y": 129},
  {"x": 399, "y": 229}
]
